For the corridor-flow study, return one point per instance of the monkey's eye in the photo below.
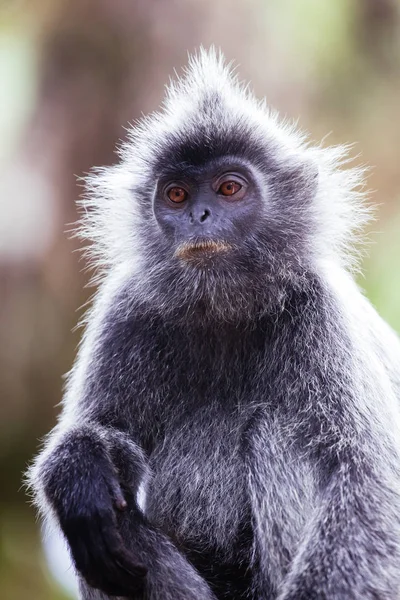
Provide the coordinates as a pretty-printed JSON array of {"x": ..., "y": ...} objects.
[
  {"x": 177, "y": 194},
  {"x": 229, "y": 188}
]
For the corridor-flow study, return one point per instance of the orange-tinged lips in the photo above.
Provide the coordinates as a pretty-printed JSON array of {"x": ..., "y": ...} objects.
[{"x": 202, "y": 247}]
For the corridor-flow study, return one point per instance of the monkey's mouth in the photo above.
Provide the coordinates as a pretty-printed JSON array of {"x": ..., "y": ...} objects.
[{"x": 201, "y": 248}]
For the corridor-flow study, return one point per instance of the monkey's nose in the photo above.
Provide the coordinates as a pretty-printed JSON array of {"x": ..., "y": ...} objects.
[{"x": 199, "y": 216}]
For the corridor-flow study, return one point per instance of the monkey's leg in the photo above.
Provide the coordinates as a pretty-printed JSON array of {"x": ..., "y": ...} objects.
[{"x": 169, "y": 577}]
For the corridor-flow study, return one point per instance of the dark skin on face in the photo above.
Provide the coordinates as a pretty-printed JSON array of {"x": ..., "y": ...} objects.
[{"x": 208, "y": 210}]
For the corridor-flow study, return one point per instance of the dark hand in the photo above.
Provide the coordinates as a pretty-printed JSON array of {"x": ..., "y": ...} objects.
[{"x": 88, "y": 498}]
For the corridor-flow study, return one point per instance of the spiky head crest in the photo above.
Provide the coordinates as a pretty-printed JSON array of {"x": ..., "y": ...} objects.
[{"x": 317, "y": 204}]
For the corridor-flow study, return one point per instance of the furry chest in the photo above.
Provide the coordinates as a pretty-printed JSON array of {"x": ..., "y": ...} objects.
[{"x": 198, "y": 492}]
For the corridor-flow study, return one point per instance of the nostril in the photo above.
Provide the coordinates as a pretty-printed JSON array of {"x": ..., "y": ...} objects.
[{"x": 204, "y": 216}]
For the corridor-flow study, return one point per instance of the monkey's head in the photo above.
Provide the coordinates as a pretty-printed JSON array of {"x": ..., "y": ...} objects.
[{"x": 216, "y": 208}]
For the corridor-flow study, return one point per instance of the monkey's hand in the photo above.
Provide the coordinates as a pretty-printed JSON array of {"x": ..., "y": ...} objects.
[{"x": 81, "y": 483}]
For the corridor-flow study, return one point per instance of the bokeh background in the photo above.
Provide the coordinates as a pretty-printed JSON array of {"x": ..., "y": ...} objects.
[{"x": 72, "y": 74}]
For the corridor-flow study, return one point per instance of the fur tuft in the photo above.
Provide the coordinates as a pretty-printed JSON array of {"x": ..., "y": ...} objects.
[{"x": 206, "y": 104}]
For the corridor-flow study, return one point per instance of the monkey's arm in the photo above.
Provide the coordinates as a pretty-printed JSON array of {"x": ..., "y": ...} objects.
[
  {"x": 345, "y": 426},
  {"x": 89, "y": 476},
  {"x": 351, "y": 546},
  {"x": 90, "y": 470},
  {"x": 348, "y": 548},
  {"x": 76, "y": 478}
]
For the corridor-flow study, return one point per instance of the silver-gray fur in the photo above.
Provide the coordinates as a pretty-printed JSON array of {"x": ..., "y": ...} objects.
[{"x": 254, "y": 403}]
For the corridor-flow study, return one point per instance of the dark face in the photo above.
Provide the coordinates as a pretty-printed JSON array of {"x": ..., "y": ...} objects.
[
  {"x": 228, "y": 238},
  {"x": 208, "y": 211}
]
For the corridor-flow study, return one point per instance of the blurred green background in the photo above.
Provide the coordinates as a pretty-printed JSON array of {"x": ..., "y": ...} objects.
[{"x": 72, "y": 74}]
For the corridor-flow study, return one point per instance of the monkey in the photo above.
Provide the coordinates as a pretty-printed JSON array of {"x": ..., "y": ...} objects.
[{"x": 231, "y": 426}]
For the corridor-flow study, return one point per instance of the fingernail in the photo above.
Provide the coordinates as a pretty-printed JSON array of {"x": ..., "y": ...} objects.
[{"x": 121, "y": 503}]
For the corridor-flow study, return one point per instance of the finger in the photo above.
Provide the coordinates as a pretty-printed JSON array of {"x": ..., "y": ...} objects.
[
  {"x": 100, "y": 555},
  {"x": 126, "y": 560},
  {"x": 128, "y": 568},
  {"x": 133, "y": 568},
  {"x": 105, "y": 570},
  {"x": 117, "y": 495}
]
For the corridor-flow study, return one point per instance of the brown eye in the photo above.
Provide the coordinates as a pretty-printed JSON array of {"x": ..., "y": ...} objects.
[
  {"x": 229, "y": 188},
  {"x": 177, "y": 194}
]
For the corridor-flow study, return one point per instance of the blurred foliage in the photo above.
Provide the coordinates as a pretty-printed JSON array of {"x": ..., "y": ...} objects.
[{"x": 73, "y": 74}]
